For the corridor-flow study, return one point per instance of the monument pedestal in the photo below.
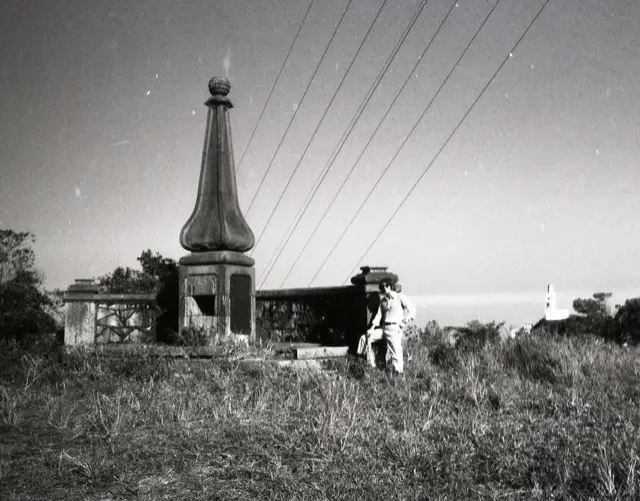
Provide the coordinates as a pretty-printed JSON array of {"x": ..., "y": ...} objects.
[{"x": 217, "y": 293}]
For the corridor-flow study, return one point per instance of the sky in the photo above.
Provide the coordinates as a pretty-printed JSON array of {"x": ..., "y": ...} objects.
[{"x": 102, "y": 126}]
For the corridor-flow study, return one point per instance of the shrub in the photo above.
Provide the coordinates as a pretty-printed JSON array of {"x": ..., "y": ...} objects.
[
  {"x": 578, "y": 326},
  {"x": 532, "y": 358},
  {"x": 193, "y": 336},
  {"x": 23, "y": 305},
  {"x": 477, "y": 335},
  {"x": 626, "y": 326},
  {"x": 445, "y": 356}
]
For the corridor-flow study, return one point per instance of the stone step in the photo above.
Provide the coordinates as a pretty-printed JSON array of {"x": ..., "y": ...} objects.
[
  {"x": 282, "y": 347},
  {"x": 321, "y": 352}
]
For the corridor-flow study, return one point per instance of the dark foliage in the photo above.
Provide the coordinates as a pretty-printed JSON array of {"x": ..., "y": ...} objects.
[
  {"x": 577, "y": 326},
  {"x": 533, "y": 359},
  {"x": 595, "y": 320},
  {"x": 626, "y": 325},
  {"x": 23, "y": 305},
  {"x": 165, "y": 271},
  {"x": 444, "y": 356},
  {"x": 593, "y": 307},
  {"x": 159, "y": 275},
  {"x": 476, "y": 335}
]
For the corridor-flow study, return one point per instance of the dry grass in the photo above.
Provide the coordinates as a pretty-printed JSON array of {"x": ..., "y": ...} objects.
[{"x": 530, "y": 419}]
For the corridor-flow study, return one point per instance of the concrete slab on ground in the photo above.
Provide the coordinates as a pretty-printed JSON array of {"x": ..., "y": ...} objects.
[
  {"x": 284, "y": 346},
  {"x": 306, "y": 353},
  {"x": 313, "y": 364}
]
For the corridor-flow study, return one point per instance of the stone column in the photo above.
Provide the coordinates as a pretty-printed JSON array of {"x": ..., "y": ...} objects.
[
  {"x": 217, "y": 280},
  {"x": 80, "y": 312}
]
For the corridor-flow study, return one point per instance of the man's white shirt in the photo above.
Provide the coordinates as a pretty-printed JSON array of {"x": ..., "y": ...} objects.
[{"x": 394, "y": 309}]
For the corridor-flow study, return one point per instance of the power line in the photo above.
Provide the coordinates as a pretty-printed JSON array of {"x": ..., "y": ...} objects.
[
  {"x": 415, "y": 125},
  {"x": 344, "y": 77},
  {"x": 298, "y": 107},
  {"x": 415, "y": 184},
  {"x": 344, "y": 182},
  {"x": 274, "y": 86},
  {"x": 325, "y": 170}
]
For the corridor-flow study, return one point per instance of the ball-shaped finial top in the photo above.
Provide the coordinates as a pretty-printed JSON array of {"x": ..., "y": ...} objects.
[{"x": 219, "y": 86}]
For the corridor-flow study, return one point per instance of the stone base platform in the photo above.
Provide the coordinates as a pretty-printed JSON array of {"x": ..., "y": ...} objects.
[{"x": 294, "y": 356}]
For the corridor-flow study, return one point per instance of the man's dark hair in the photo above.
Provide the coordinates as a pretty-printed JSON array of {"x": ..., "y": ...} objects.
[{"x": 385, "y": 282}]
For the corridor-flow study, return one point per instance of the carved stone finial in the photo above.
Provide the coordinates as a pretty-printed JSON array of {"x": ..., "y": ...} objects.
[{"x": 219, "y": 86}]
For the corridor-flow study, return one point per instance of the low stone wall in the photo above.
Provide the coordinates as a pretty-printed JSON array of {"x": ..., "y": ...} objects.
[
  {"x": 332, "y": 316},
  {"x": 94, "y": 318},
  {"x": 125, "y": 319}
]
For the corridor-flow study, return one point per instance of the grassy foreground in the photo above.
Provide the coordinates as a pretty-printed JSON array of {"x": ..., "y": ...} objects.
[{"x": 535, "y": 418}]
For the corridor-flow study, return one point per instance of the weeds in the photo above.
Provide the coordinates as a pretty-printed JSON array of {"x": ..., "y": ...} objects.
[
  {"x": 9, "y": 406},
  {"x": 532, "y": 418}
]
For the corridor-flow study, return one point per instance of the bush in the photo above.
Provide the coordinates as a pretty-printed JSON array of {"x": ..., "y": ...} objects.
[
  {"x": 23, "y": 305},
  {"x": 532, "y": 358},
  {"x": 626, "y": 327},
  {"x": 193, "y": 336},
  {"x": 445, "y": 356},
  {"x": 578, "y": 326},
  {"x": 477, "y": 335}
]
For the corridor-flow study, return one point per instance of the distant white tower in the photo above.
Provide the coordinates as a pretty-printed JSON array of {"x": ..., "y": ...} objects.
[{"x": 550, "y": 311}]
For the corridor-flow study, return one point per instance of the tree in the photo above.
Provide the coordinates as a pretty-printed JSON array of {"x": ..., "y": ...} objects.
[
  {"x": 157, "y": 266},
  {"x": 23, "y": 304},
  {"x": 595, "y": 307},
  {"x": 627, "y": 322},
  {"x": 16, "y": 253},
  {"x": 127, "y": 281},
  {"x": 159, "y": 275},
  {"x": 165, "y": 271}
]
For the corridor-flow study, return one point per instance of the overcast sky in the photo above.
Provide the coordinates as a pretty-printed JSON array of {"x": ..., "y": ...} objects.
[{"x": 102, "y": 125}]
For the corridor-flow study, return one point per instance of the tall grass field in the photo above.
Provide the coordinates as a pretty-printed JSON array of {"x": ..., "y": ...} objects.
[{"x": 531, "y": 418}]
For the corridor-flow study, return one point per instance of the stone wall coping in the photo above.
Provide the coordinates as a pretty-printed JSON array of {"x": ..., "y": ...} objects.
[
  {"x": 303, "y": 292},
  {"x": 109, "y": 298}
]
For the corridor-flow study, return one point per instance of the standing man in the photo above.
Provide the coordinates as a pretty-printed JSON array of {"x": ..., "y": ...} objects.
[{"x": 394, "y": 312}]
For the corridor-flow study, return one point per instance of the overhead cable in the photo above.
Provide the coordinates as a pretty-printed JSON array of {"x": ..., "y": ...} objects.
[
  {"x": 407, "y": 137},
  {"x": 274, "y": 86},
  {"x": 326, "y": 110},
  {"x": 344, "y": 182},
  {"x": 295, "y": 113},
  {"x": 415, "y": 184},
  {"x": 346, "y": 134}
]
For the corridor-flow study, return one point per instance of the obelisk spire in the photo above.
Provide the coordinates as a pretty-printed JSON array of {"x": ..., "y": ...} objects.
[{"x": 217, "y": 223}]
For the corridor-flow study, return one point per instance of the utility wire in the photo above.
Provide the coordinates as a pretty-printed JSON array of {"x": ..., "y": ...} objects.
[
  {"x": 415, "y": 184},
  {"x": 344, "y": 182},
  {"x": 325, "y": 170},
  {"x": 274, "y": 86},
  {"x": 408, "y": 136},
  {"x": 295, "y": 113},
  {"x": 326, "y": 110}
]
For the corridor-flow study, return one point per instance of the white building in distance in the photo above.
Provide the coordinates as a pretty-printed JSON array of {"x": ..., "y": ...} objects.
[{"x": 550, "y": 310}]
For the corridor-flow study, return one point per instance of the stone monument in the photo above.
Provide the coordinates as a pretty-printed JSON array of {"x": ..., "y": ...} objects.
[{"x": 217, "y": 280}]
